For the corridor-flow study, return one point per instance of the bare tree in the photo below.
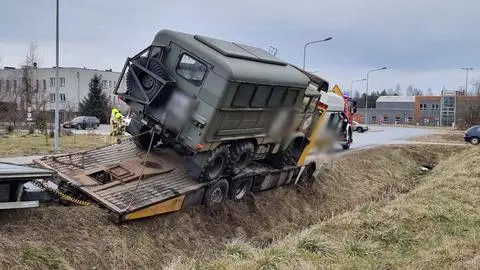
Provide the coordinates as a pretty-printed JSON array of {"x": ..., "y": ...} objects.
[
  {"x": 429, "y": 92},
  {"x": 468, "y": 111},
  {"x": 398, "y": 90}
]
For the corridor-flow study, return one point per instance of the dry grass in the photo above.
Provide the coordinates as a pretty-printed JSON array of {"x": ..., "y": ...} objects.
[
  {"x": 447, "y": 137},
  {"x": 23, "y": 144},
  {"x": 243, "y": 235},
  {"x": 435, "y": 226}
]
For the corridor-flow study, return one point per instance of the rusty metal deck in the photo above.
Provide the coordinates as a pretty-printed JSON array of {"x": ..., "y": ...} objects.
[{"x": 132, "y": 186}]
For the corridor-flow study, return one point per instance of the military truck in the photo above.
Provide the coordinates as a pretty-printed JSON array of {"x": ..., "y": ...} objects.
[{"x": 222, "y": 103}]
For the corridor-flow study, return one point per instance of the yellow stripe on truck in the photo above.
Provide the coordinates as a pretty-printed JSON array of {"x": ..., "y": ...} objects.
[
  {"x": 313, "y": 138},
  {"x": 171, "y": 205}
]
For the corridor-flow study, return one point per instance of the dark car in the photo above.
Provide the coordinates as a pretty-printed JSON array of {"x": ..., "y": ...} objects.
[
  {"x": 472, "y": 135},
  {"x": 83, "y": 122}
]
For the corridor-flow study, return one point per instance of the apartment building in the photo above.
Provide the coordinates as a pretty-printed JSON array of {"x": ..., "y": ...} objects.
[{"x": 73, "y": 87}]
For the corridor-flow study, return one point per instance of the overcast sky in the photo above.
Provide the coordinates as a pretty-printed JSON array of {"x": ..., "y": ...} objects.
[{"x": 422, "y": 42}]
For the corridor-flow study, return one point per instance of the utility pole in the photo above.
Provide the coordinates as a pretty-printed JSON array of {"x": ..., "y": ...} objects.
[
  {"x": 57, "y": 95},
  {"x": 311, "y": 42},
  {"x": 366, "y": 93},
  {"x": 466, "y": 79}
]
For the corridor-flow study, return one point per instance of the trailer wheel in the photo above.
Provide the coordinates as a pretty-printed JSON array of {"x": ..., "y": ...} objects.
[
  {"x": 149, "y": 84},
  {"x": 241, "y": 156},
  {"x": 240, "y": 188},
  {"x": 217, "y": 162},
  {"x": 216, "y": 192}
]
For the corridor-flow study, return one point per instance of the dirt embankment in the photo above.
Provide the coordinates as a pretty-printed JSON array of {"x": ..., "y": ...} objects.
[{"x": 84, "y": 237}]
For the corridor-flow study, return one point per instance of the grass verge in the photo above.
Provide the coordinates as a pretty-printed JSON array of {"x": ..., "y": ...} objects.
[
  {"x": 435, "y": 226},
  {"x": 269, "y": 230},
  {"x": 17, "y": 143}
]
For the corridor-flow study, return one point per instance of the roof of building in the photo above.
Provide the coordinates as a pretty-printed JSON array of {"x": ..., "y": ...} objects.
[
  {"x": 235, "y": 61},
  {"x": 395, "y": 99}
]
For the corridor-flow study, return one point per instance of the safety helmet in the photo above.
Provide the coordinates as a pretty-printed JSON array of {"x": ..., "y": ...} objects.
[
  {"x": 118, "y": 115},
  {"x": 115, "y": 111}
]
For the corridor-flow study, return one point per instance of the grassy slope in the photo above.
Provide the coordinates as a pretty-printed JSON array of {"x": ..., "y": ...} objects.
[
  {"x": 435, "y": 226},
  {"x": 84, "y": 238},
  {"x": 23, "y": 144}
]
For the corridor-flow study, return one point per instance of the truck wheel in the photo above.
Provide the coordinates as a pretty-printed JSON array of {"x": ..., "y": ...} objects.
[
  {"x": 216, "y": 192},
  {"x": 359, "y": 130},
  {"x": 241, "y": 156},
  {"x": 240, "y": 188},
  {"x": 149, "y": 84},
  {"x": 287, "y": 157},
  {"x": 346, "y": 146},
  {"x": 216, "y": 163}
]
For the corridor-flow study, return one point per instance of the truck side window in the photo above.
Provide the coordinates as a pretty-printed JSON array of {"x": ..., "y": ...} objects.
[
  {"x": 261, "y": 96},
  {"x": 290, "y": 97},
  {"x": 191, "y": 69},
  {"x": 243, "y": 96},
  {"x": 276, "y": 97}
]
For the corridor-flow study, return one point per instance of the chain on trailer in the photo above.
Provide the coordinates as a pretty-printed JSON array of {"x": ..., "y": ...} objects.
[{"x": 59, "y": 194}]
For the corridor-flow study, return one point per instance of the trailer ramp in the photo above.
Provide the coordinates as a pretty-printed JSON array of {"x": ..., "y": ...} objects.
[{"x": 126, "y": 180}]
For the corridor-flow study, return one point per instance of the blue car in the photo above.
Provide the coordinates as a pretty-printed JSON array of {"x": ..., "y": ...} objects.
[{"x": 472, "y": 135}]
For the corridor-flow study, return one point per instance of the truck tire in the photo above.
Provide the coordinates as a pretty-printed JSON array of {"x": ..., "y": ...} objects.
[
  {"x": 216, "y": 192},
  {"x": 241, "y": 156},
  {"x": 287, "y": 157},
  {"x": 149, "y": 84},
  {"x": 217, "y": 163},
  {"x": 240, "y": 188}
]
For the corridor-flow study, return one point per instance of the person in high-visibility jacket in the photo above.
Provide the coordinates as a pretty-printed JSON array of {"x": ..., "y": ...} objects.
[{"x": 115, "y": 124}]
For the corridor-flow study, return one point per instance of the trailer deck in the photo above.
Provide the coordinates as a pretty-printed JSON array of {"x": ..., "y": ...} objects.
[
  {"x": 132, "y": 184},
  {"x": 116, "y": 177}
]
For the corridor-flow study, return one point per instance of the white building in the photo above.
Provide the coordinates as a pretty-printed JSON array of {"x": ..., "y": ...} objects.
[{"x": 73, "y": 86}]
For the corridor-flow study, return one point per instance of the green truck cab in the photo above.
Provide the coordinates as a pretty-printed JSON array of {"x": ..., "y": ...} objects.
[{"x": 222, "y": 103}]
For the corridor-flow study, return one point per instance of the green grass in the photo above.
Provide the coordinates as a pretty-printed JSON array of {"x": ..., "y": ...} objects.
[{"x": 17, "y": 143}]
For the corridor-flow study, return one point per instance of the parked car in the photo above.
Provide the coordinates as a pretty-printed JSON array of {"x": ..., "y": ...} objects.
[
  {"x": 83, "y": 122},
  {"x": 472, "y": 135},
  {"x": 359, "y": 127}
]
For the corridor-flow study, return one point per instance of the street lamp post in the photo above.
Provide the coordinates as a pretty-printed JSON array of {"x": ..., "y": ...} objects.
[
  {"x": 466, "y": 79},
  {"x": 57, "y": 95},
  {"x": 354, "y": 81},
  {"x": 366, "y": 94},
  {"x": 311, "y": 42}
]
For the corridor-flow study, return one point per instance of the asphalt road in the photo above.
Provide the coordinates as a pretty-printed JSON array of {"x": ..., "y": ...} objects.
[{"x": 375, "y": 136}]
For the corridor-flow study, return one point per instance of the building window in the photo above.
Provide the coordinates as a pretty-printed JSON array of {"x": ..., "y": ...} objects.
[
  {"x": 8, "y": 85},
  {"x": 62, "y": 97},
  {"x": 14, "y": 85},
  {"x": 104, "y": 84},
  {"x": 114, "y": 83},
  {"x": 385, "y": 118},
  {"x": 374, "y": 118},
  {"x": 243, "y": 96},
  {"x": 410, "y": 119},
  {"x": 109, "y": 84},
  {"x": 37, "y": 85},
  {"x": 435, "y": 107},
  {"x": 52, "y": 82},
  {"x": 62, "y": 81},
  {"x": 423, "y": 107},
  {"x": 1, "y": 85},
  {"x": 397, "y": 118},
  {"x": 52, "y": 97},
  {"x": 44, "y": 84}
]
